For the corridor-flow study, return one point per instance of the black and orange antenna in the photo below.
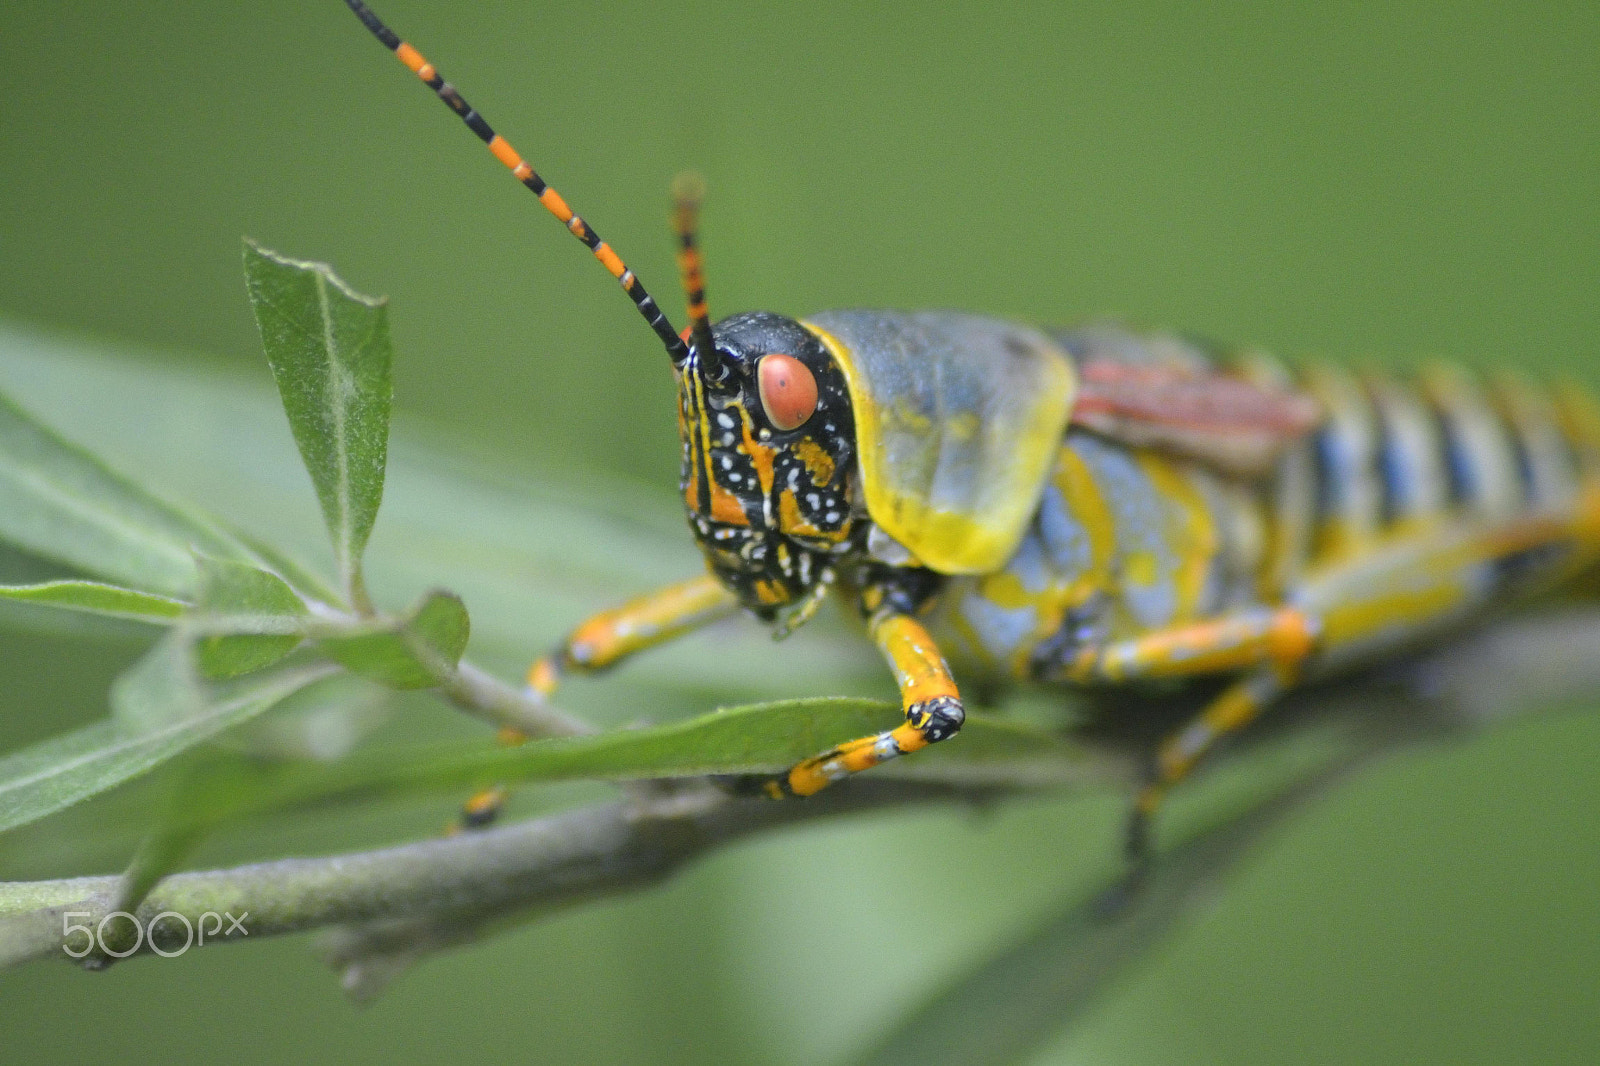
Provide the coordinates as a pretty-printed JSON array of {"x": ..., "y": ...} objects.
[
  {"x": 524, "y": 172},
  {"x": 688, "y": 191}
]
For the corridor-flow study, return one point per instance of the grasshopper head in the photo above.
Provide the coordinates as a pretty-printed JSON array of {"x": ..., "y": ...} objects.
[{"x": 768, "y": 458}]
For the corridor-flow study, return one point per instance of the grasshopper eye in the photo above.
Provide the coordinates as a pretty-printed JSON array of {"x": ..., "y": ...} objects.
[{"x": 788, "y": 390}]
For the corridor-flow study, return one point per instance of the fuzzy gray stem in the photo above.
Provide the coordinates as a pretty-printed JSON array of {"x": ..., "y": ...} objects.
[
  {"x": 480, "y": 693},
  {"x": 542, "y": 863}
]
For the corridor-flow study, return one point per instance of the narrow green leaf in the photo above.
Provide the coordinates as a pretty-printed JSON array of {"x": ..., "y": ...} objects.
[
  {"x": 249, "y": 618},
  {"x": 770, "y": 737},
  {"x": 94, "y": 597},
  {"x": 61, "y": 503},
  {"x": 63, "y": 770},
  {"x": 329, "y": 350},
  {"x": 763, "y": 738},
  {"x": 418, "y": 650},
  {"x": 303, "y": 580}
]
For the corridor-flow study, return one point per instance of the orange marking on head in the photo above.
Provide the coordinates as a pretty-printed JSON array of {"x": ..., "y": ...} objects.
[
  {"x": 504, "y": 152},
  {"x": 790, "y": 520},
  {"x": 691, "y": 492},
  {"x": 555, "y": 204},
  {"x": 819, "y": 464},
  {"x": 725, "y": 506},
  {"x": 410, "y": 56},
  {"x": 761, "y": 456},
  {"x": 609, "y": 259},
  {"x": 770, "y": 592}
]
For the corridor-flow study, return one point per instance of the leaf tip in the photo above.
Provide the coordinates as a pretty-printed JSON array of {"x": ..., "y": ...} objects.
[{"x": 254, "y": 250}]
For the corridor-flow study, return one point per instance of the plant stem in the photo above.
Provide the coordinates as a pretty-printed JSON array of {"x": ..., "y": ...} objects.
[
  {"x": 480, "y": 693},
  {"x": 542, "y": 863}
]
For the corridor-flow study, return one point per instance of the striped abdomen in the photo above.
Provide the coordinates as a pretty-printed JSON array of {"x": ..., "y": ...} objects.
[
  {"x": 1126, "y": 541},
  {"x": 1392, "y": 457}
]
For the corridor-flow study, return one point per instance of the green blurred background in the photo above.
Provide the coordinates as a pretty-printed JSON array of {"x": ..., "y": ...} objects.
[{"x": 1359, "y": 181}]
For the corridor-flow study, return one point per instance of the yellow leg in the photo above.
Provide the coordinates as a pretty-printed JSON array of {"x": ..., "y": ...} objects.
[
  {"x": 1238, "y": 705},
  {"x": 605, "y": 640},
  {"x": 927, "y": 691},
  {"x": 611, "y": 636},
  {"x": 1281, "y": 636},
  {"x": 1346, "y": 615}
]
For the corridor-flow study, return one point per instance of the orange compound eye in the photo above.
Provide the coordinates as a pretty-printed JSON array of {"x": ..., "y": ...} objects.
[{"x": 788, "y": 391}]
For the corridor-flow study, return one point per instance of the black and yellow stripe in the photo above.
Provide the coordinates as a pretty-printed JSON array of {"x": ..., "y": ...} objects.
[{"x": 524, "y": 172}]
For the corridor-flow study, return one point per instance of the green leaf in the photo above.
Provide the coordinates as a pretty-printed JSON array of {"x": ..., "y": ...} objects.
[
  {"x": 770, "y": 737},
  {"x": 419, "y": 650},
  {"x": 764, "y": 738},
  {"x": 304, "y": 581},
  {"x": 63, "y": 770},
  {"x": 93, "y": 597},
  {"x": 59, "y": 502},
  {"x": 249, "y": 618},
  {"x": 329, "y": 350}
]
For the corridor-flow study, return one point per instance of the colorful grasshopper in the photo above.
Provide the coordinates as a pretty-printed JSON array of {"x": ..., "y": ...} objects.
[{"x": 1091, "y": 507}]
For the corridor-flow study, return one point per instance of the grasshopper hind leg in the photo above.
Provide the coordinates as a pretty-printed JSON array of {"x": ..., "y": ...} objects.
[
  {"x": 600, "y": 643},
  {"x": 1236, "y": 707}
]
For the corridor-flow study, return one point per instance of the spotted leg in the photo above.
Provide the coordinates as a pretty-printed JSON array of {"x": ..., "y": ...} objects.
[
  {"x": 927, "y": 691},
  {"x": 1237, "y": 706},
  {"x": 603, "y": 641}
]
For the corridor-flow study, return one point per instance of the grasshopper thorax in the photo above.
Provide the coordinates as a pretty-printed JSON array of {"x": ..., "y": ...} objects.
[{"x": 769, "y": 458}]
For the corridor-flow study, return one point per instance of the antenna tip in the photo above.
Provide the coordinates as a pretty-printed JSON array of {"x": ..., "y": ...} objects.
[{"x": 688, "y": 190}]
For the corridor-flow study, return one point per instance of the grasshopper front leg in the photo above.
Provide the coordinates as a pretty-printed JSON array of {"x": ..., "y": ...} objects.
[
  {"x": 928, "y": 694},
  {"x": 603, "y": 641}
]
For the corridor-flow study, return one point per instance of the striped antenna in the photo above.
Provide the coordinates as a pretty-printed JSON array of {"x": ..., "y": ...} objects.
[
  {"x": 524, "y": 172},
  {"x": 687, "y": 193}
]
